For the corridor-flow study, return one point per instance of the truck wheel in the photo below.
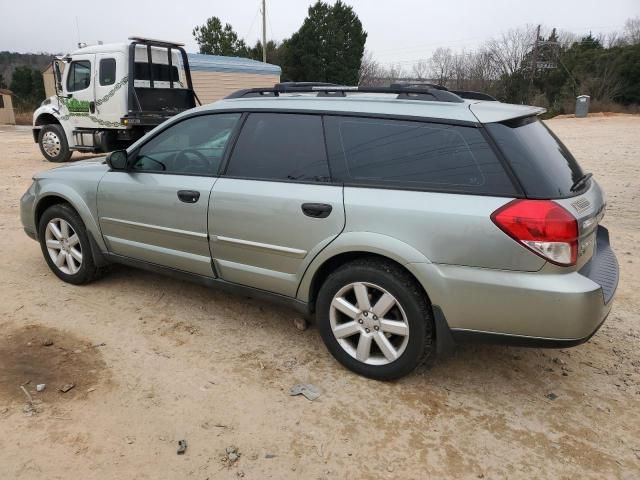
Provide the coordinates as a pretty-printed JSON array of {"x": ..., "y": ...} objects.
[
  {"x": 53, "y": 143},
  {"x": 375, "y": 319}
]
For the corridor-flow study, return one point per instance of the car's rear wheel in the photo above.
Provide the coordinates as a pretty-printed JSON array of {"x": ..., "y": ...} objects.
[
  {"x": 53, "y": 143},
  {"x": 375, "y": 319},
  {"x": 65, "y": 245}
]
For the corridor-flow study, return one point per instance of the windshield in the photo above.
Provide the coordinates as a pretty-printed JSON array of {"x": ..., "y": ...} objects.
[{"x": 544, "y": 166}]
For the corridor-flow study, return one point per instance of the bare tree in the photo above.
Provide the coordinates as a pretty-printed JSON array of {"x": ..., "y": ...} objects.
[
  {"x": 632, "y": 30},
  {"x": 371, "y": 72},
  {"x": 614, "y": 39},
  {"x": 566, "y": 39},
  {"x": 509, "y": 51},
  {"x": 421, "y": 70},
  {"x": 395, "y": 72},
  {"x": 442, "y": 65},
  {"x": 460, "y": 69}
]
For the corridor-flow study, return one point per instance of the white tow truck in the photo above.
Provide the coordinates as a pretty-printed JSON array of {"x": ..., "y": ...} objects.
[{"x": 108, "y": 96}]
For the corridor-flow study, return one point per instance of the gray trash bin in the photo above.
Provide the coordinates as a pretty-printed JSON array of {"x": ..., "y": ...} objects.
[{"x": 582, "y": 106}]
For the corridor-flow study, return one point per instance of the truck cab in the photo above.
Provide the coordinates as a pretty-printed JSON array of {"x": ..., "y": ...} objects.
[{"x": 108, "y": 96}]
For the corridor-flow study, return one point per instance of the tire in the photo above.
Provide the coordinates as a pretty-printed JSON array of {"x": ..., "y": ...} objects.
[
  {"x": 53, "y": 143},
  {"x": 69, "y": 247},
  {"x": 410, "y": 315}
]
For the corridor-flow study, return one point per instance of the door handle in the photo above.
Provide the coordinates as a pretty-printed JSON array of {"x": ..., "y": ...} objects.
[
  {"x": 92, "y": 107},
  {"x": 188, "y": 196},
  {"x": 316, "y": 210}
]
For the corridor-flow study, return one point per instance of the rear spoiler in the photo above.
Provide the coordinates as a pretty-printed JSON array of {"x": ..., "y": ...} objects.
[{"x": 491, "y": 112}]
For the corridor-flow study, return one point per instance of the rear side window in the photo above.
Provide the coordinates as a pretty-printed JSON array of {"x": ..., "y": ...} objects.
[
  {"x": 107, "y": 71},
  {"x": 544, "y": 166},
  {"x": 79, "y": 76},
  {"x": 415, "y": 155},
  {"x": 280, "y": 146}
]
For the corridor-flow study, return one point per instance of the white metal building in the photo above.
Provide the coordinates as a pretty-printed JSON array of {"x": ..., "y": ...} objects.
[{"x": 215, "y": 77}]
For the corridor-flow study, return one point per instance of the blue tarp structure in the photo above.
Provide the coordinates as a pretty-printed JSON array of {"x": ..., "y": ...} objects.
[{"x": 199, "y": 62}]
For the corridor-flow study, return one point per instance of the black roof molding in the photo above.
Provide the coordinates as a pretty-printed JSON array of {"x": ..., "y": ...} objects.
[
  {"x": 424, "y": 92},
  {"x": 472, "y": 95},
  {"x": 466, "y": 94}
]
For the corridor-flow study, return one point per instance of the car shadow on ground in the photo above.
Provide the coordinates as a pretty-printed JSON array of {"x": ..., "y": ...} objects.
[{"x": 492, "y": 370}]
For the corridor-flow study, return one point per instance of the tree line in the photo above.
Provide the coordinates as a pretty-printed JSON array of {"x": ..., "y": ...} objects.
[
  {"x": 549, "y": 68},
  {"x": 328, "y": 46},
  {"x": 22, "y": 74}
]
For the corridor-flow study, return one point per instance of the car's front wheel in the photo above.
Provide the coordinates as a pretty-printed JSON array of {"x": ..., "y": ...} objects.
[
  {"x": 65, "y": 245},
  {"x": 375, "y": 319}
]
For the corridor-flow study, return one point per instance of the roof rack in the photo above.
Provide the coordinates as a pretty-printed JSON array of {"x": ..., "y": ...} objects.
[
  {"x": 467, "y": 94},
  {"x": 414, "y": 85},
  {"x": 427, "y": 93},
  {"x": 304, "y": 84},
  {"x": 471, "y": 95}
]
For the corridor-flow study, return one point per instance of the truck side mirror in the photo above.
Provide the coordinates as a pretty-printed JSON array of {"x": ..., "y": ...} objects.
[
  {"x": 117, "y": 160},
  {"x": 57, "y": 74}
]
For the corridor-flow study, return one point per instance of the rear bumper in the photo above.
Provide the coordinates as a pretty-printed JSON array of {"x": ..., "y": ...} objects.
[{"x": 524, "y": 308}]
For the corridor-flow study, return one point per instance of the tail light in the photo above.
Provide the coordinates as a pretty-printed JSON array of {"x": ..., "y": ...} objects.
[{"x": 542, "y": 226}]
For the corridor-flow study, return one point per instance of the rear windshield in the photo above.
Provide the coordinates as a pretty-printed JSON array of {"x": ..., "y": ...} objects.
[{"x": 544, "y": 166}]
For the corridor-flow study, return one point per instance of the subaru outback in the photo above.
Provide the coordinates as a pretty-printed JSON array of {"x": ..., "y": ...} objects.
[{"x": 404, "y": 220}]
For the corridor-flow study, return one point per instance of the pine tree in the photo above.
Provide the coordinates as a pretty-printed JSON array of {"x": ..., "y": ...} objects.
[{"x": 328, "y": 47}]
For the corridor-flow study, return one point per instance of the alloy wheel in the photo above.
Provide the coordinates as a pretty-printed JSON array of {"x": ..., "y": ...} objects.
[
  {"x": 63, "y": 245},
  {"x": 369, "y": 323}
]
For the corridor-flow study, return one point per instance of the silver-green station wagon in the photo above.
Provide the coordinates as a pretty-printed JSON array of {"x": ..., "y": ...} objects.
[{"x": 403, "y": 219}]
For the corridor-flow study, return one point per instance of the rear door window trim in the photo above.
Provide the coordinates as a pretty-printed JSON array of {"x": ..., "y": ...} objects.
[
  {"x": 517, "y": 189},
  {"x": 246, "y": 114}
]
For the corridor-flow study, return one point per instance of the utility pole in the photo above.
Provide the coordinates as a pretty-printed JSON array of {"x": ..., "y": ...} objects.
[
  {"x": 534, "y": 61},
  {"x": 264, "y": 31},
  {"x": 534, "y": 57}
]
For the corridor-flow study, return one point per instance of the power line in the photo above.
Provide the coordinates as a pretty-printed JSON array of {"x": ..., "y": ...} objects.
[
  {"x": 252, "y": 23},
  {"x": 264, "y": 31}
]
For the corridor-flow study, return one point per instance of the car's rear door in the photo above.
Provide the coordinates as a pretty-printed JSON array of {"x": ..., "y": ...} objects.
[
  {"x": 156, "y": 211},
  {"x": 275, "y": 207}
]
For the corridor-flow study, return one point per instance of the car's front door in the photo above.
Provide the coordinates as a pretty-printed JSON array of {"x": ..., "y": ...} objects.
[
  {"x": 156, "y": 211},
  {"x": 275, "y": 207}
]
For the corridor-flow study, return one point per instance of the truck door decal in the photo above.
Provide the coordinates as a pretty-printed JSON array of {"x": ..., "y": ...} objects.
[{"x": 80, "y": 108}]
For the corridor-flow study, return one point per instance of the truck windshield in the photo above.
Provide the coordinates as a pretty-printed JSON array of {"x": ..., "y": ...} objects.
[
  {"x": 159, "y": 69},
  {"x": 544, "y": 166}
]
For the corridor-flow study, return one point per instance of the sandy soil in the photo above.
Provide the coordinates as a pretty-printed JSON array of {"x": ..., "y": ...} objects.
[{"x": 155, "y": 360}]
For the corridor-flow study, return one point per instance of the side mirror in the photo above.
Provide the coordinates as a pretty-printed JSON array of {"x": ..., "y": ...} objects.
[
  {"x": 117, "y": 160},
  {"x": 57, "y": 76}
]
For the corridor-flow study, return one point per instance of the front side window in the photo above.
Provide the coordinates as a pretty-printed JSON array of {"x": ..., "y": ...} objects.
[
  {"x": 414, "y": 155},
  {"x": 79, "y": 75},
  {"x": 194, "y": 146},
  {"x": 107, "y": 71},
  {"x": 1, "y": 101},
  {"x": 279, "y": 146}
]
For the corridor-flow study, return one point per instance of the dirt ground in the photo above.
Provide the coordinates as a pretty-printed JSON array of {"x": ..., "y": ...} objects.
[{"x": 155, "y": 360}]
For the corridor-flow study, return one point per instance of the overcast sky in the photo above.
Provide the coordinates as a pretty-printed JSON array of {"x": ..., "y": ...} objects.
[{"x": 399, "y": 31}]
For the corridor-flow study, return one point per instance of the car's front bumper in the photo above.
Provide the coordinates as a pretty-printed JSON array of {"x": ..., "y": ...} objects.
[
  {"x": 524, "y": 308},
  {"x": 27, "y": 215}
]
